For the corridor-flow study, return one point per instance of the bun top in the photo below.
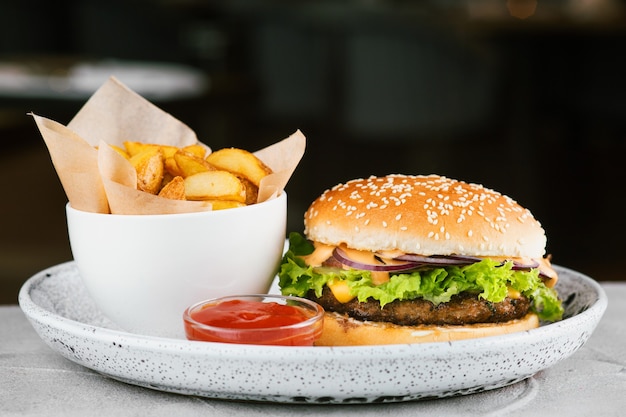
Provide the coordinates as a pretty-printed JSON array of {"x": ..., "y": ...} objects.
[{"x": 426, "y": 215}]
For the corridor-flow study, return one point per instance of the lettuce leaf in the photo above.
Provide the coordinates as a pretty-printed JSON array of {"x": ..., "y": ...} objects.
[{"x": 488, "y": 279}]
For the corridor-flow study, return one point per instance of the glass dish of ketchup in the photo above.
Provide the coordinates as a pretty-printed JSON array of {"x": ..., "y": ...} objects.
[{"x": 255, "y": 319}]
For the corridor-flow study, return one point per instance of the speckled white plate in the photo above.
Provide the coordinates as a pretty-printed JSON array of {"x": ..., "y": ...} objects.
[{"x": 57, "y": 305}]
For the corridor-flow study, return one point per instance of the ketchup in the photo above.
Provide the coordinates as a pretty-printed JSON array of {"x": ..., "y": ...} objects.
[{"x": 253, "y": 322}]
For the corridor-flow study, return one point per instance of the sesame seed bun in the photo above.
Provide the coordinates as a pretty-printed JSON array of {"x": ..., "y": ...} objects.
[
  {"x": 426, "y": 215},
  {"x": 341, "y": 330}
]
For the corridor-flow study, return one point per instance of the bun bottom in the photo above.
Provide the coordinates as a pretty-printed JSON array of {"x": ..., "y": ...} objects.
[{"x": 341, "y": 330}]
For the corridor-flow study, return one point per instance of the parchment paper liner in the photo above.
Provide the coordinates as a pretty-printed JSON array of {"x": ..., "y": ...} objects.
[{"x": 97, "y": 179}]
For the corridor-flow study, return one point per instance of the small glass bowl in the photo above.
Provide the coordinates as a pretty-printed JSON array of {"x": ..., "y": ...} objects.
[{"x": 258, "y": 319}]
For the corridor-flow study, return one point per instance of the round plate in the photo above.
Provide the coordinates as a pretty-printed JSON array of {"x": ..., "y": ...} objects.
[{"x": 56, "y": 303}]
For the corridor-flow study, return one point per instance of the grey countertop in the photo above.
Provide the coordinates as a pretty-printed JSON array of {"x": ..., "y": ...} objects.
[{"x": 36, "y": 381}]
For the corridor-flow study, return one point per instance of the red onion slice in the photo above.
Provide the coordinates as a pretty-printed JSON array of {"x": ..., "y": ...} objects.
[
  {"x": 517, "y": 266},
  {"x": 341, "y": 256},
  {"x": 544, "y": 276},
  {"x": 413, "y": 261},
  {"x": 442, "y": 260}
]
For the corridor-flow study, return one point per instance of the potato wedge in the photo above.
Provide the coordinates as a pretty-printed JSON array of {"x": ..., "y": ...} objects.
[
  {"x": 167, "y": 177},
  {"x": 252, "y": 191},
  {"x": 174, "y": 189},
  {"x": 225, "y": 204},
  {"x": 149, "y": 166},
  {"x": 171, "y": 167},
  {"x": 121, "y": 151},
  {"x": 189, "y": 164},
  {"x": 214, "y": 185},
  {"x": 134, "y": 148},
  {"x": 197, "y": 149},
  {"x": 139, "y": 159},
  {"x": 240, "y": 162},
  {"x": 168, "y": 151}
]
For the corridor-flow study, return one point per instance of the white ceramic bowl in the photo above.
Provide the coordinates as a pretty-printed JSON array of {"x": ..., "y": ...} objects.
[{"x": 143, "y": 271}]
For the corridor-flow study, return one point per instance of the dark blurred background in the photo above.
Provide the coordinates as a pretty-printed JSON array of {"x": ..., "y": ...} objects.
[{"x": 526, "y": 97}]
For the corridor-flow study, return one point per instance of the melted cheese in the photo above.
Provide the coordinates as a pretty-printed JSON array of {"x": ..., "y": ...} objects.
[
  {"x": 546, "y": 268},
  {"x": 340, "y": 290},
  {"x": 319, "y": 254},
  {"x": 379, "y": 277},
  {"x": 512, "y": 293}
]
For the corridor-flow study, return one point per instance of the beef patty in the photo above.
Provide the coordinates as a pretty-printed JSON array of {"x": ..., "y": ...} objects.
[{"x": 462, "y": 309}]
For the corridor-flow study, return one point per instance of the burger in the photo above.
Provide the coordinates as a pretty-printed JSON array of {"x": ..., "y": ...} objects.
[{"x": 412, "y": 259}]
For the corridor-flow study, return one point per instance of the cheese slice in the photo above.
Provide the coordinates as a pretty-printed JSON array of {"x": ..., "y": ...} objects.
[
  {"x": 513, "y": 293},
  {"x": 340, "y": 290}
]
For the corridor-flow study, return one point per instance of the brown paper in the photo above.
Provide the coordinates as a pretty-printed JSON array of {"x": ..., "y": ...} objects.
[
  {"x": 76, "y": 164},
  {"x": 115, "y": 114},
  {"x": 96, "y": 178},
  {"x": 283, "y": 158}
]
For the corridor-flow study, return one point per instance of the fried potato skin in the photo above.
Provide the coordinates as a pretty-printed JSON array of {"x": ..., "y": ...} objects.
[
  {"x": 149, "y": 166},
  {"x": 174, "y": 189},
  {"x": 252, "y": 191}
]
